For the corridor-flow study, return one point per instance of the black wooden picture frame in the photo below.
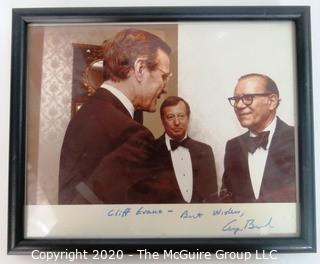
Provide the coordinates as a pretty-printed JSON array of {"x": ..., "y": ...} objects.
[{"x": 299, "y": 15}]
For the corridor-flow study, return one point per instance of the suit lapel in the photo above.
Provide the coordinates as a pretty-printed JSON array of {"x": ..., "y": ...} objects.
[
  {"x": 270, "y": 173},
  {"x": 161, "y": 150},
  {"x": 194, "y": 154},
  {"x": 244, "y": 172}
]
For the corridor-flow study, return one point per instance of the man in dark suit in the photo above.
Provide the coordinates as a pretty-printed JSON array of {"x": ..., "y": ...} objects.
[
  {"x": 184, "y": 169},
  {"x": 105, "y": 150},
  {"x": 260, "y": 164}
]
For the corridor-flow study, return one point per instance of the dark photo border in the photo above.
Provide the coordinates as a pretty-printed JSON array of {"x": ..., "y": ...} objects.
[{"x": 21, "y": 18}]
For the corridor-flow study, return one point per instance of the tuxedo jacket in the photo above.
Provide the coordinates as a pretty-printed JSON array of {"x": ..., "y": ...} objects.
[
  {"x": 279, "y": 178},
  {"x": 162, "y": 186},
  {"x": 104, "y": 152}
]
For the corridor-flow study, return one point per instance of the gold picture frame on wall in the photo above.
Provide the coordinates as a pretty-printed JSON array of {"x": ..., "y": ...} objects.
[{"x": 57, "y": 65}]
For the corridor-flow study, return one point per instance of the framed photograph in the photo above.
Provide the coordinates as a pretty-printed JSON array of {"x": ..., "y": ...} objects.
[{"x": 99, "y": 97}]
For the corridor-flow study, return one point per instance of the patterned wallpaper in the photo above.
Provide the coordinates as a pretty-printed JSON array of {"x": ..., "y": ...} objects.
[{"x": 55, "y": 105}]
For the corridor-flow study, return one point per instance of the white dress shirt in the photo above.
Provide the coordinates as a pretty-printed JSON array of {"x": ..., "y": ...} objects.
[
  {"x": 122, "y": 98},
  {"x": 182, "y": 166},
  {"x": 257, "y": 160}
]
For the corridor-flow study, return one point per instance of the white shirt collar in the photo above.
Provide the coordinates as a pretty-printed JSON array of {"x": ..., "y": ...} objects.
[
  {"x": 120, "y": 95},
  {"x": 167, "y": 138},
  {"x": 271, "y": 127}
]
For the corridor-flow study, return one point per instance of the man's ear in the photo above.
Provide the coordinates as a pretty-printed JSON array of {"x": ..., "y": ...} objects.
[
  {"x": 139, "y": 68},
  {"x": 274, "y": 101}
]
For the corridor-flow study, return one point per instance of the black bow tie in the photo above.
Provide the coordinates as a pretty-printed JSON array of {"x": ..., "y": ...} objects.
[
  {"x": 260, "y": 141},
  {"x": 175, "y": 144}
]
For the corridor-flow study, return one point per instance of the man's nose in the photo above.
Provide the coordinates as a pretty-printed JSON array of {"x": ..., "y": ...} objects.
[
  {"x": 176, "y": 121},
  {"x": 165, "y": 88}
]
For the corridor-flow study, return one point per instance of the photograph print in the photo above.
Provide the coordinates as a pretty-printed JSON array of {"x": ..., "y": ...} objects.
[{"x": 162, "y": 122}]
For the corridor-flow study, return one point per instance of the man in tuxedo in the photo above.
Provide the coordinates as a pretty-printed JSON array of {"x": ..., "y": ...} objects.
[
  {"x": 184, "y": 169},
  {"x": 105, "y": 150},
  {"x": 260, "y": 164}
]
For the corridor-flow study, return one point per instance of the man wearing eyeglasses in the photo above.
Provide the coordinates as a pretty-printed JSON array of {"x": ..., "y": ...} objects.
[
  {"x": 260, "y": 164},
  {"x": 105, "y": 150},
  {"x": 184, "y": 169}
]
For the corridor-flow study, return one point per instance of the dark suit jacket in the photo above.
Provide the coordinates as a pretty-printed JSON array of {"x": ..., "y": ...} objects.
[
  {"x": 279, "y": 179},
  {"x": 105, "y": 150},
  {"x": 162, "y": 185}
]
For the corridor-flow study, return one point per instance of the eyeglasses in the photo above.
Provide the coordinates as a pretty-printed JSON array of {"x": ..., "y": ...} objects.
[
  {"x": 246, "y": 99},
  {"x": 165, "y": 76}
]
